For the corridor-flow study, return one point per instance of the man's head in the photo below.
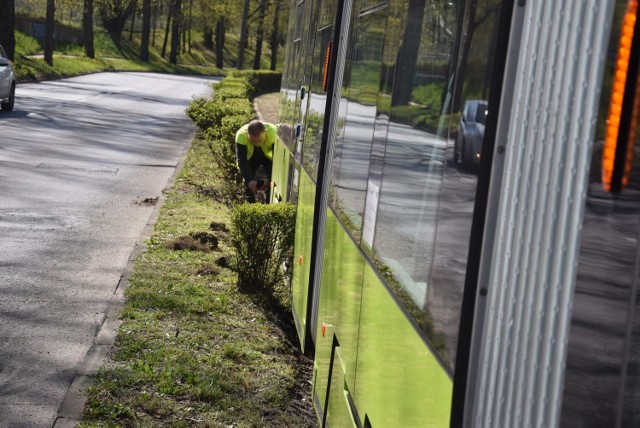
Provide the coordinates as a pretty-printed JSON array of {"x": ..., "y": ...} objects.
[{"x": 256, "y": 132}]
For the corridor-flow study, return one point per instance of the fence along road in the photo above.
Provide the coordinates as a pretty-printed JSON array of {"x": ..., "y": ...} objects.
[{"x": 81, "y": 162}]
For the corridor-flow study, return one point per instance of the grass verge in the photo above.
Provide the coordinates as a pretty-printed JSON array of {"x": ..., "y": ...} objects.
[
  {"x": 70, "y": 60},
  {"x": 193, "y": 350}
]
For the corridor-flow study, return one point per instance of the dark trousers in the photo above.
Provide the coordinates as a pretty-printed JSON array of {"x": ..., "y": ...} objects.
[{"x": 262, "y": 176}]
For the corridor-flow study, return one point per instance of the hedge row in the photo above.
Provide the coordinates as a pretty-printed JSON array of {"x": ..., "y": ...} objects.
[{"x": 220, "y": 116}]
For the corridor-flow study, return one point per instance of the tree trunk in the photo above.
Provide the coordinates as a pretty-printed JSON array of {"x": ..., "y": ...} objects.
[
  {"x": 183, "y": 33},
  {"x": 220, "y": 42},
  {"x": 275, "y": 36},
  {"x": 243, "y": 34},
  {"x": 453, "y": 57},
  {"x": 115, "y": 15},
  {"x": 260, "y": 33},
  {"x": 408, "y": 54},
  {"x": 175, "y": 31},
  {"x": 208, "y": 37},
  {"x": 146, "y": 30},
  {"x": 167, "y": 28},
  {"x": 155, "y": 20},
  {"x": 467, "y": 37},
  {"x": 133, "y": 20},
  {"x": 87, "y": 28},
  {"x": 190, "y": 23},
  {"x": 7, "y": 27},
  {"x": 48, "y": 32}
]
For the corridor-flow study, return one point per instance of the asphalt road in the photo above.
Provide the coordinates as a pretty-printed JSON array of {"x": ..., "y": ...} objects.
[{"x": 82, "y": 161}]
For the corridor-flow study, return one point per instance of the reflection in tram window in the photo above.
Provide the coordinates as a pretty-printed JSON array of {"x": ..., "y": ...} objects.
[
  {"x": 353, "y": 149},
  {"x": 395, "y": 186},
  {"x": 314, "y": 119}
]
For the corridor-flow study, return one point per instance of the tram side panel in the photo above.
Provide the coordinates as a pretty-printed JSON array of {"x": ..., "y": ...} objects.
[
  {"x": 302, "y": 252},
  {"x": 390, "y": 295},
  {"x": 299, "y": 189},
  {"x": 368, "y": 354},
  {"x": 338, "y": 320}
]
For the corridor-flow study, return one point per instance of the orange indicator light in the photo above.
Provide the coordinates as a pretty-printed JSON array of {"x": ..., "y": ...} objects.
[
  {"x": 325, "y": 74},
  {"x": 612, "y": 137}
]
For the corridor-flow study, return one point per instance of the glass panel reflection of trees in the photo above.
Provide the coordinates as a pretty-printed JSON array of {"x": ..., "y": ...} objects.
[{"x": 394, "y": 184}]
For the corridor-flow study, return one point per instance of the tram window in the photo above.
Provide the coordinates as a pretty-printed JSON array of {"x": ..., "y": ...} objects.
[
  {"x": 314, "y": 114},
  {"x": 353, "y": 147},
  {"x": 602, "y": 386},
  {"x": 394, "y": 185}
]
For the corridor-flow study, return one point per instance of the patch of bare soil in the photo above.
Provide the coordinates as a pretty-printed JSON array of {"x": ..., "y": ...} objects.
[
  {"x": 301, "y": 403},
  {"x": 300, "y": 394},
  {"x": 187, "y": 243}
]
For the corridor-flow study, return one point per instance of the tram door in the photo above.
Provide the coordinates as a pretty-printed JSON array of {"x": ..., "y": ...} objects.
[
  {"x": 300, "y": 186},
  {"x": 316, "y": 44}
]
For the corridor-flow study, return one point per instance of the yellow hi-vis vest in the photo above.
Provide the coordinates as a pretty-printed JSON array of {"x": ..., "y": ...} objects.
[{"x": 242, "y": 137}]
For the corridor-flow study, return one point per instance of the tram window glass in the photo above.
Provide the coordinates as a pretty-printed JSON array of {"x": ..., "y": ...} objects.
[
  {"x": 317, "y": 95},
  {"x": 293, "y": 75},
  {"x": 602, "y": 379},
  {"x": 353, "y": 148},
  {"x": 422, "y": 204}
]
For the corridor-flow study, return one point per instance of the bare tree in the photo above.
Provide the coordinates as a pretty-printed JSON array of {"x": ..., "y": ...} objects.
[
  {"x": 48, "y": 32},
  {"x": 474, "y": 18},
  {"x": 133, "y": 20},
  {"x": 408, "y": 54},
  {"x": 243, "y": 34},
  {"x": 175, "y": 31},
  {"x": 220, "y": 41},
  {"x": 155, "y": 18},
  {"x": 7, "y": 27},
  {"x": 275, "y": 36},
  {"x": 114, "y": 15},
  {"x": 146, "y": 30},
  {"x": 262, "y": 9},
  {"x": 167, "y": 28},
  {"x": 87, "y": 28},
  {"x": 190, "y": 22}
]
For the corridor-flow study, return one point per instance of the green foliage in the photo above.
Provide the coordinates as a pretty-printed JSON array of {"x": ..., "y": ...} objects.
[
  {"x": 234, "y": 87},
  {"x": 208, "y": 114},
  {"x": 263, "y": 236},
  {"x": 428, "y": 95},
  {"x": 26, "y": 45},
  {"x": 425, "y": 118},
  {"x": 261, "y": 80},
  {"x": 220, "y": 118},
  {"x": 69, "y": 59}
]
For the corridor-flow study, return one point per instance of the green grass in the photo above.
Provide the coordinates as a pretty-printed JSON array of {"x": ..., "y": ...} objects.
[
  {"x": 193, "y": 350},
  {"x": 70, "y": 60}
]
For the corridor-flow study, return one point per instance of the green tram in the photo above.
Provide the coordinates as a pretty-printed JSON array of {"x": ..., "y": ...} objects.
[{"x": 468, "y": 210}]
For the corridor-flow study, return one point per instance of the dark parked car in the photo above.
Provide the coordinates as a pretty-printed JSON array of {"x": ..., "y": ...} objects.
[
  {"x": 468, "y": 143},
  {"x": 7, "y": 82}
]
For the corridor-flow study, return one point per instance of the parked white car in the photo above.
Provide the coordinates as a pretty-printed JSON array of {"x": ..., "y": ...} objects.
[{"x": 7, "y": 82}]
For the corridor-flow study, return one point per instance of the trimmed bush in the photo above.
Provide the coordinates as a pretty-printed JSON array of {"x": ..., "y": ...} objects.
[
  {"x": 261, "y": 80},
  {"x": 233, "y": 87},
  {"x": 263, "y": 236},
  {"x": 208, "y": 114}
]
